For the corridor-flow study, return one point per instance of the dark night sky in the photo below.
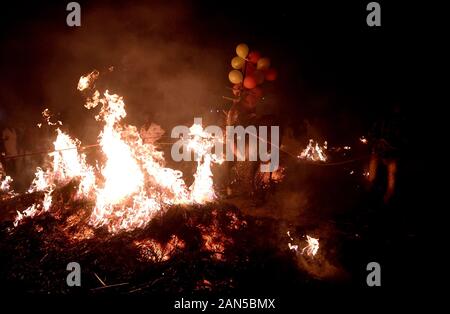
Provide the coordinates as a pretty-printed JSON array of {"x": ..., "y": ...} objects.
[{"x": 331, "y": 63}]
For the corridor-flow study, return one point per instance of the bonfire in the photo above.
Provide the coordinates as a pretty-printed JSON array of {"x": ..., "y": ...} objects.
[{"x": 129, "y": 212}]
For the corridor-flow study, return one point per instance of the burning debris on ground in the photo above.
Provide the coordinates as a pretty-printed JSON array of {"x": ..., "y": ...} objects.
[
  {"x": 133, "y": 220},
  {"x": 136, "y": 227},
  {"x": 178, "y": 251}
]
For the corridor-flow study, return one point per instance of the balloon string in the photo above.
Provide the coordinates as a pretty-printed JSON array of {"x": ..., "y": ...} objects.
[{"x": 48, "y": 152}]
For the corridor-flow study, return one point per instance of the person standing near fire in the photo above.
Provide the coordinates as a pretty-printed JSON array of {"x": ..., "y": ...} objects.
[
  {"x": 249, "y": 108},
  {"x": 387, "y": 141}
]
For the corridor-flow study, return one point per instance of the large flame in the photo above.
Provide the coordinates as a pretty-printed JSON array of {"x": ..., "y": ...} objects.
[
  {"x": 132, "y": 184},
  {"x": 201, "y": 143}
]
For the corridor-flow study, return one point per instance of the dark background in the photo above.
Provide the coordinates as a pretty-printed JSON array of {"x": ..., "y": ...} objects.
[{"x": 171, "y": 58}]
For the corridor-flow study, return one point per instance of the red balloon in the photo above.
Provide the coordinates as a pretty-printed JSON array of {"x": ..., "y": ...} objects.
[
  {"x": 249, "y": 82},
  {"x": 250, "y": 68},
  {"x": 254, "y": 56},
  {"x": 271, "y": 74}
]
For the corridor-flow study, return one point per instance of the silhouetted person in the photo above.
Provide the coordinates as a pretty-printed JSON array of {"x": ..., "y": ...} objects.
[{"x": 386, "y": 140}]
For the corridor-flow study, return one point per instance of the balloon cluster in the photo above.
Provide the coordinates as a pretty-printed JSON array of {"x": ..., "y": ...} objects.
[{"x": 250, "y": 69}]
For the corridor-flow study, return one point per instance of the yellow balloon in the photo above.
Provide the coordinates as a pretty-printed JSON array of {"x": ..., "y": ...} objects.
[
  {"x": 237, "y": 63},
  {"x": 242, "y": 50},
  {"x": 263, "y": 64},
  {"x": 235, "y": 76}
]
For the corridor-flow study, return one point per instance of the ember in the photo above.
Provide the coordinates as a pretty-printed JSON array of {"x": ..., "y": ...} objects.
[{"x": 154, "y": 251}]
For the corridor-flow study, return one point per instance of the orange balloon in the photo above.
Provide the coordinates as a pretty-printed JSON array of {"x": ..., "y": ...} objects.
[
  {"x": 237, "y": 63},
  {"x": 271, "y": 74},
  {"x": 242, "y": 50},
  {"x": 249, "y": 82},
  {"x": 254, "y": 56},
  {"x": 235, "y": 76},
  {"x": 259, "y": 76}
]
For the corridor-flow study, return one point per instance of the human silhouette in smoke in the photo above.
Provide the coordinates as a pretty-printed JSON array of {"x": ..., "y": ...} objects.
[
  {"x": 244, "y": 175},
  {"x": 387, "y": 141}
]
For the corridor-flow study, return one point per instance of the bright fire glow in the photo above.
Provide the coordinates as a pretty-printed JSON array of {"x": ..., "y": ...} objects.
[
  {"x": 201, "y": 143},
  {"x": 5, "y": 183},
  {"x": 312, "y": 247},
  {"x": 314, "y": 152},
  {"x": 87, "y": 80},
  {"x": 132, "y": 184}
]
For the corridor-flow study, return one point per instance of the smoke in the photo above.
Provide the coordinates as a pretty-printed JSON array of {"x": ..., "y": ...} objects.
[
  {"x": 157, "y": 55},
  {"x": 162, "y": 64}
]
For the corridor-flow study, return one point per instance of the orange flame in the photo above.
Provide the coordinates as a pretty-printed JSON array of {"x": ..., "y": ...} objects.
[
  {"x": 314, "y": 152},
  {"x": 312, "y": 247},
  {"x": 133, "y": 184}
]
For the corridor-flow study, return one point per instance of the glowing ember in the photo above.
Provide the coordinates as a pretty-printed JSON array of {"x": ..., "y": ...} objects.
[
  {"x": 363, "y": 140},
  {"x": 214, "y": 240},
  {"x": 267, "y": 179},
  {"x": 312, "y": 247},
  {"x": 157, "y": 252},
  {"x": 314, "y": 152}
]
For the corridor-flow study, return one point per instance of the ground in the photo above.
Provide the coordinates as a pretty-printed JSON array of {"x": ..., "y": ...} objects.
[{"x": 240, "y": 243}]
